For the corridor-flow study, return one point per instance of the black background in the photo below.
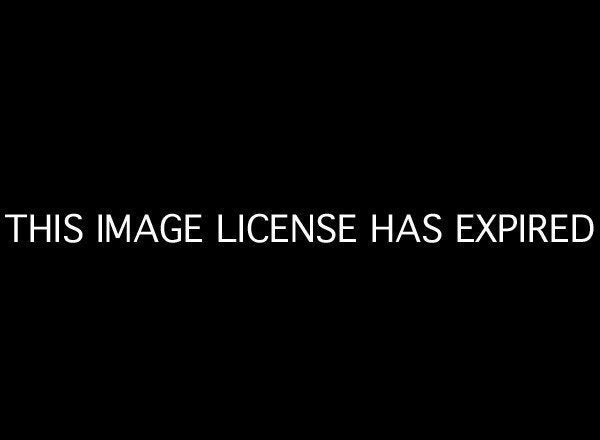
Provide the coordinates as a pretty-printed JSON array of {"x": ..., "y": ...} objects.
[{"x": 386, "y": 112}]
